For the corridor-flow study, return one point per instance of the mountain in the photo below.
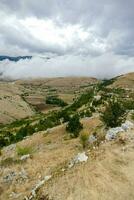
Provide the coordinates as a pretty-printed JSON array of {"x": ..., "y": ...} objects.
[{"x": 14, "y": 58}]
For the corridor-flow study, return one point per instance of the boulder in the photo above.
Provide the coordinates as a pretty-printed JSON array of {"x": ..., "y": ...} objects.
[
  {"x": 127, "y": 125},
  {"x": 113, "y": 132},
  {"x": 81, "y": 157}
]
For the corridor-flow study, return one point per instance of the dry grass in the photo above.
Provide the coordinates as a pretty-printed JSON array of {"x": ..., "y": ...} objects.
[
  {"x": 12, "y": 106},
  {"x": 125, "y": 81},
  {"x": 108, "y": 174}
]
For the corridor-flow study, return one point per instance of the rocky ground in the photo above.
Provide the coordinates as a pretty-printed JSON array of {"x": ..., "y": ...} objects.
[{"x": 58, "y": 168}]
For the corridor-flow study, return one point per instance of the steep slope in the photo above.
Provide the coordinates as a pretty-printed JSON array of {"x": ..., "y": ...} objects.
[{"x": 12, "y": 106}]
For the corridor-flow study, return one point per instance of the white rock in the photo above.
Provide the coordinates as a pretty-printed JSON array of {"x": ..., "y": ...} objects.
[
  {"x": 92, "y": 139},
  {"x": 81, "y": 157},
  {"x": 47, "y": 178},
  {"x": 26, "y": 198},
  {"x": 113, "y": 132},
  {"x": 39, "y": 184},
  {"x": 97, "y": 98},
  {"x": 25, "y": 157},
  {"x": 33, "y": 192},
  {"x": 127, "y": 125}
]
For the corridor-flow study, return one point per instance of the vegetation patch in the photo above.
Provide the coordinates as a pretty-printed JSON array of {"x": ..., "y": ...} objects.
[
  {"x": 9, "y": 161},
  {"x": 21, "y": 151},
  {"x": 84, "y": 138},
  {"x": 74, "y": 126},
  {"x": 114, "y": 113},
  {"x": 54, "y": 100}
]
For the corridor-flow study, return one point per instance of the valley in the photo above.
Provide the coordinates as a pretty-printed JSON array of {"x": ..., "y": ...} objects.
[{"x": 67, "y": 138}]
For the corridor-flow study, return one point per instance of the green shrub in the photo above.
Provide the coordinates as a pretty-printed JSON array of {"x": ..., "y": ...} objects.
[
  {"x": 23, "y": 132},
  {"x": 74, "y": 126},
  {"x": 128, "y": 104},
  {"x": 84, "y": 138},
  {"x": 54, "y": 100},
  {"x": 85, "y": 113},
  {"x": 113, "y": 116},
  {"x": 65, "y": 115},
  {"x": 24, "y": 150}
]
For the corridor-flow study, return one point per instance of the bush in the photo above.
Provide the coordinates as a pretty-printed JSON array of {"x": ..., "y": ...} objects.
[
  {"x": 74, "y": 126},
  {"x": 84, "y": 138},
  {"x": 64, "y": 114},
  {"x": 23, "y": 132},
  {"x": 114, "y": 114},
  {"x": 128, "y": 104},
  {"x": 55, "y": 101},
  {"x": 21, "y": 151},
  {"x": 85, "y": 113}
]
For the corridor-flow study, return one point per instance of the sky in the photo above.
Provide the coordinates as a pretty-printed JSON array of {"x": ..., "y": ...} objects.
[{"x": 81, "y": 37}]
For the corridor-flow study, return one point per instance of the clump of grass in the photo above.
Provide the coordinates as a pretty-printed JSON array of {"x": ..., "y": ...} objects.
[
  {"x": 21, "y": 151},
  {"x": 84, "y": 138},
  {"x": 9, "y": 161}
]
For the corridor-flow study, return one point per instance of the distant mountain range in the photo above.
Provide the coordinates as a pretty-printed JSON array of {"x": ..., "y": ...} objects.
[{"x": 14, "y": 58}]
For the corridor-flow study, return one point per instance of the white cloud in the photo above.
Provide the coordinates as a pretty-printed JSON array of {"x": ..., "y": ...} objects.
[
  {"x": 88, "y": 37},
  {"x": 104, "y": 66}
]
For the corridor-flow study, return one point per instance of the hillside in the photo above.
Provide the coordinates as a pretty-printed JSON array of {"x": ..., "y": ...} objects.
[
  {"x": 12, "y": 105},
  {"x": 125, "y": 81},
  {"x": 109, "y": 169},
  {"x": 73, "y": 142},
  {"x": 20, "y": 99}
]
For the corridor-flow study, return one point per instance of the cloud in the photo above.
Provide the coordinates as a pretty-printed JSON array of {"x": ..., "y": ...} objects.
[
  {"x": 101, "y": 67},
  {"x": 97, "y": 35}
]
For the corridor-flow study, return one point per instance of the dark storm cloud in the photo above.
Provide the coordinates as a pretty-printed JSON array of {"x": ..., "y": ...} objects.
[{"x": 105, "y": 16}]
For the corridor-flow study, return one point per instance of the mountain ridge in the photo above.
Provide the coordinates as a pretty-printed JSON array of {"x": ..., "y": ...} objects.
[{"x": 14, "y": 58}]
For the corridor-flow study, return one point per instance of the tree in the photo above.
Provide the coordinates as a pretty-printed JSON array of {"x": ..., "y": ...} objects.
[
  {"x": 74, "y": 126},
  {"x": 114, "y": 113}
]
